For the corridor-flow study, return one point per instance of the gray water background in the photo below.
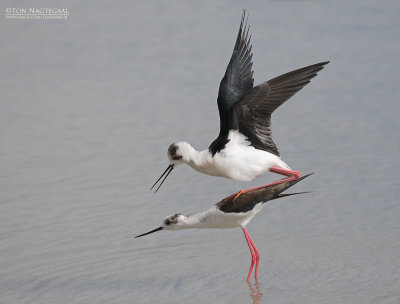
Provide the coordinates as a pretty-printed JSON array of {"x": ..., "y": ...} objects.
[{"x": 89, "y": 106}]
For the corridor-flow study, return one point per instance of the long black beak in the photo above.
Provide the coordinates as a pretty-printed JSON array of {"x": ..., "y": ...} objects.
[
  {"x": 166, "y": 173},
  {"x": 155, "y": 230}
]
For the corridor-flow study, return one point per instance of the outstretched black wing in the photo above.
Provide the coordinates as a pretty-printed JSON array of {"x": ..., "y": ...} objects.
[
  {"x": 252, "y": 116},
  {"x": 247, "y": 109},
  {"x": 238, "y": 79}
]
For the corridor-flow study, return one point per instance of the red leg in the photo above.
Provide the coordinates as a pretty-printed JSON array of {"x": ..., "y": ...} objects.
[
  {"x": 255, "y": 254},
  {"x": 291, "y": 175},
  {"x": 253, "y": 257}
]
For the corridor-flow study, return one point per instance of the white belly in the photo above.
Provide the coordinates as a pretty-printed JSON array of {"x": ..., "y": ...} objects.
[
  {"x": 215, "y": 218},
  {"x": 242, "y": 162}
]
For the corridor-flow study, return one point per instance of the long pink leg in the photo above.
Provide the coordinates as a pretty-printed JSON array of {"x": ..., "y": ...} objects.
[
  {"x": 255, "y": 254},
  {"x": 291, "y": 175}
]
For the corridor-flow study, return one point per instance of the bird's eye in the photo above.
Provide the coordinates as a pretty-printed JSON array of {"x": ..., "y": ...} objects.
[{"x": 176, "y": 157}]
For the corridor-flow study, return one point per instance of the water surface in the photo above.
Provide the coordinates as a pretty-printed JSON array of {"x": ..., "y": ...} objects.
[{"x": 89, "y": 106}]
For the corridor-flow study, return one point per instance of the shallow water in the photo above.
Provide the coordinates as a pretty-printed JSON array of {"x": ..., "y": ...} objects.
[{"x": 90, "y": 105}]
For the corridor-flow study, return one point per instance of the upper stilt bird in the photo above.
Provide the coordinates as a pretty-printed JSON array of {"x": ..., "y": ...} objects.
[
  {"x": 231, "y": 212},
  {"x": 244, "y": 148}
]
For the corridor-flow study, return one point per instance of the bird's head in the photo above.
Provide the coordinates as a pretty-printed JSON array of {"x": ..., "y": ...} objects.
[
  {"x": 178, "y": 153},
  {"x": 175, "y": 221}
]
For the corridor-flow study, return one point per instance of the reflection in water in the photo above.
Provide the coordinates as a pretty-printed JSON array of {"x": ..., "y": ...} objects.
[{"x": 255, "y": 293}]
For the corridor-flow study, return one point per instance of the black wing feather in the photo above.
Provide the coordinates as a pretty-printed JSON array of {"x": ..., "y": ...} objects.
[
  {"x": 248, "y": 109},
  {"x": 236, "y": 83},
  {"x": 238, "y": 79},
  {"x": 252, "y": 116},
  {"x": 246, "y": 201}
]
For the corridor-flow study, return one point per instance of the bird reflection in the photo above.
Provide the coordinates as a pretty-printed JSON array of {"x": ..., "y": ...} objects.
[{"x": 255, "y": 292}]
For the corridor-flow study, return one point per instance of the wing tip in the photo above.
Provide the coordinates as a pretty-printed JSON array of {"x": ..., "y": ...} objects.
[{"x": 322, "y": 64}]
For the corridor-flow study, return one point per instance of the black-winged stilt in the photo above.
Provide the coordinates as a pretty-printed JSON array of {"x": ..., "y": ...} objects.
[
  {"x": 244, "y": 148},
  {"x": 231, "y": 212}
]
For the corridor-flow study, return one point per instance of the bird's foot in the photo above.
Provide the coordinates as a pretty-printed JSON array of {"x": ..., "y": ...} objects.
[{"x": 236, "y": 194}]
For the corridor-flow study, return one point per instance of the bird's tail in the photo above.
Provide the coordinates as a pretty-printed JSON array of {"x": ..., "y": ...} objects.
[
  {"x": 289, "y": 194},
  {"x": 284, "y": 186}
]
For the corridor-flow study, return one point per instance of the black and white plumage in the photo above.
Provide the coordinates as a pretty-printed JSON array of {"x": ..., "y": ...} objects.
[
  {"x": 231, "y": 212},
  {"x": 244, "y": 148}
]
